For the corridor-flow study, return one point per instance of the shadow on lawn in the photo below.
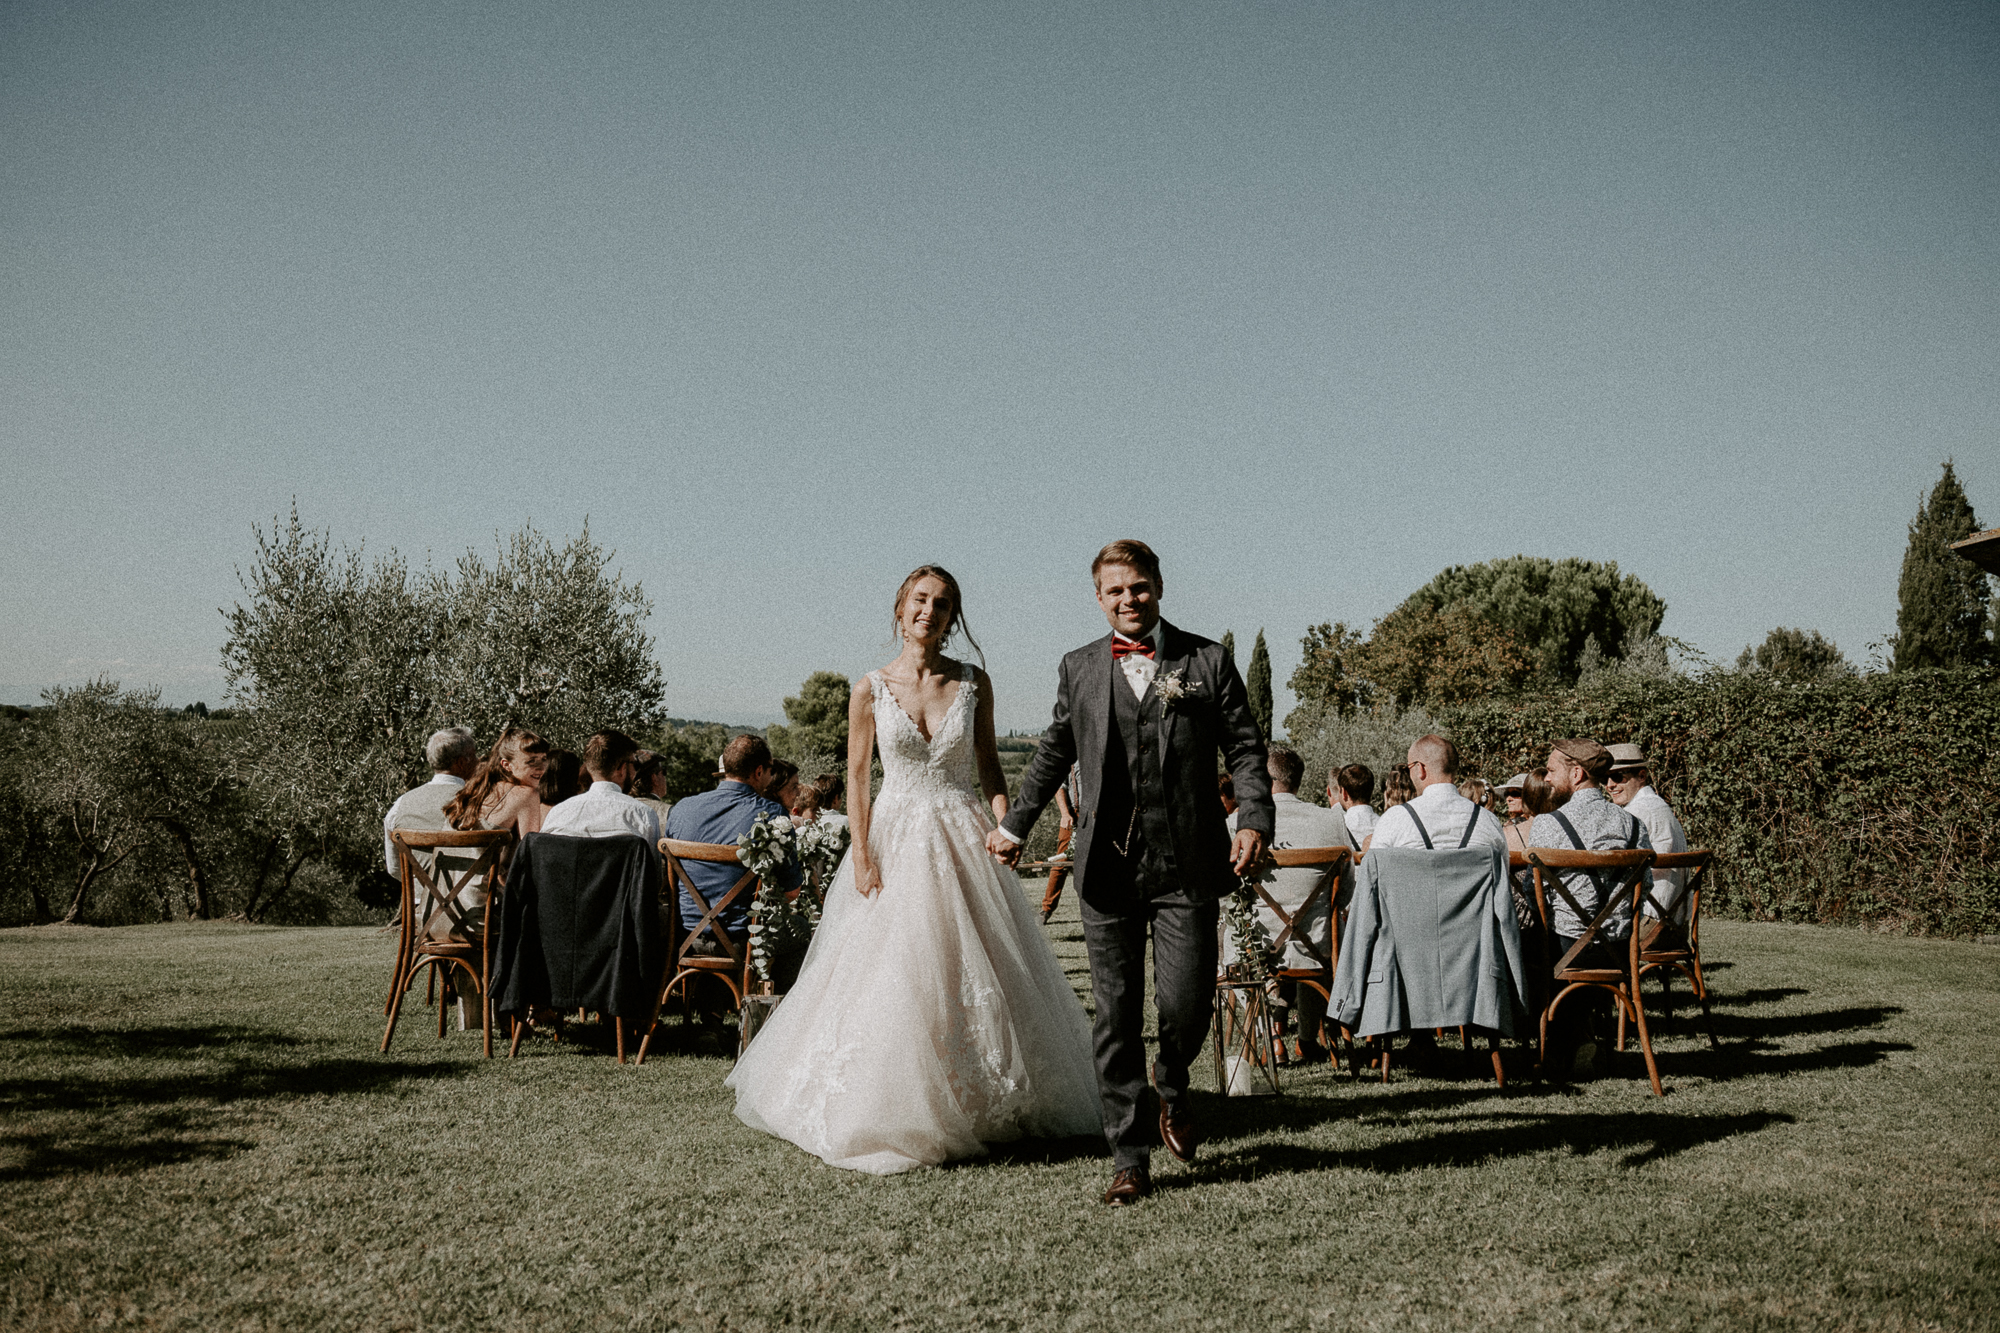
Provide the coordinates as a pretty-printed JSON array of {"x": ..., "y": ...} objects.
[
  {"x": 1474, "y": 1139},
  {"x": 119, "y": 1121}
]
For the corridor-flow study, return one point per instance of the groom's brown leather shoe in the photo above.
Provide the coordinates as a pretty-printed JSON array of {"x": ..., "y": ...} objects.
[
  {"x": 1177, "y": 1131},
  {"x": 1128, "y": 1186}
]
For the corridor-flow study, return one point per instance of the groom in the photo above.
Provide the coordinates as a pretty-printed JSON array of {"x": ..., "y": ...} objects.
[{"x": 1143, "y": 713}]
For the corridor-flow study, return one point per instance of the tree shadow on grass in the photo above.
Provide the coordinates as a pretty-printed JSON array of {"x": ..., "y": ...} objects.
[
  {"x": 156, "y": 1104},
  {"x": 1472, "y": 1140}
]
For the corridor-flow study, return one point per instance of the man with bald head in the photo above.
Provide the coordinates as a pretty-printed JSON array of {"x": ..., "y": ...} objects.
[{"x": 1438, "y": 817}]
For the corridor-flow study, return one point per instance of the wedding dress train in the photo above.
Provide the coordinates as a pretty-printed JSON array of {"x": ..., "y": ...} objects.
[{"x": 934, "y": 1018}]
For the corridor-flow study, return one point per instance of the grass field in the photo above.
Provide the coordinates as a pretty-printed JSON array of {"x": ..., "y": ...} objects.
[{"x": 198, "y": 1133}]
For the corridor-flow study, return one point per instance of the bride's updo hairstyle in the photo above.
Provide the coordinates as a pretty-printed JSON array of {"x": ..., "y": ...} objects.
[{"x": 957, "y": 625}]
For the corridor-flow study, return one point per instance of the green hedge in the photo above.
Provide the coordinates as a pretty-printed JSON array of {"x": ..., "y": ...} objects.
[{"x": 1872, "y": 801}]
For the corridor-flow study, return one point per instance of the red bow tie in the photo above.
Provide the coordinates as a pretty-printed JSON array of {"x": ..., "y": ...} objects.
[{"x": 1129, "y": 647}]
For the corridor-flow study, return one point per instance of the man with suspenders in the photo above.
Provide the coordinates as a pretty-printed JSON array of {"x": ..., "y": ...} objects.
[
  {"x": 1586, "y": 821},
  {"x": 1436, "y": 818}
]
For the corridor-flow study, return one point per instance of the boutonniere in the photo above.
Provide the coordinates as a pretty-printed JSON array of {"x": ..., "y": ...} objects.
[{"x": 1174, "y": 686}]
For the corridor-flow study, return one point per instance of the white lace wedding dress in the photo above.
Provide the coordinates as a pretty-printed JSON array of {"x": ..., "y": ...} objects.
[{"x": 934, "y": 1018}]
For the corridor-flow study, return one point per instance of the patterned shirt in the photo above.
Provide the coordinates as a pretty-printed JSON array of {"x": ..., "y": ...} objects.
[{"x": 1603, "y": 828}]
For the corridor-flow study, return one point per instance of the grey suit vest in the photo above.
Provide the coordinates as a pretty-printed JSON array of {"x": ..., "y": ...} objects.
[{"x": 1132, "y": 770}]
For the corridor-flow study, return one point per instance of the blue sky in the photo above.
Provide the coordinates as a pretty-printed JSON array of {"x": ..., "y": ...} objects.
[{"x": 786, "y": 300}]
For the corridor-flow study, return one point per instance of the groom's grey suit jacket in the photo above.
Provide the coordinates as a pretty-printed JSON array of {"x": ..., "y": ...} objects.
[{"x": 1213, "y": 719}]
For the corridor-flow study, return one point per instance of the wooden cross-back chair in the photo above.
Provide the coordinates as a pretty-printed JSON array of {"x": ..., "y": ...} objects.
[
  {"x": 1329, "y": 861},
  {"x": 684, "y": 966},
  {"x": 1612, "y": 965},
  {"x": 1670, "y": 944},
  {"x": 463, "y": 943}
]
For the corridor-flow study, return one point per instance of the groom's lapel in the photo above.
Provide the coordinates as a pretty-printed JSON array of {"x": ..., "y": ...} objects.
[
  {"x": 1109, "y": 678},
  {"x": 1172, "y": 645}
]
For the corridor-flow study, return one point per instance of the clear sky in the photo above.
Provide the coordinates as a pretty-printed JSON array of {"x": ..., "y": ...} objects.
[{"x": 1315, "y": 298}]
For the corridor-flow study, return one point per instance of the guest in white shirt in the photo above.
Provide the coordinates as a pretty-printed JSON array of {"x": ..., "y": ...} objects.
[
  {"x": 1631, "y": 786},
  {"x": 1300, "y": 824},
  {"x": 452, "y": 754},
  {"x": 1351, "y": 789},
  {"x": 604, "y": 810},
  {"x": 1437, "y": 816}
]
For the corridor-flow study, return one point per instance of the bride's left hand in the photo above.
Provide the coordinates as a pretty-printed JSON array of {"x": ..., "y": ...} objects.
[{"x": 867, "y": 881}]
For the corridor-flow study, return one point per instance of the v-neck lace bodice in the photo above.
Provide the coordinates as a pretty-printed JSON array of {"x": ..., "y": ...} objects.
[{"x": 913, "y": 766}]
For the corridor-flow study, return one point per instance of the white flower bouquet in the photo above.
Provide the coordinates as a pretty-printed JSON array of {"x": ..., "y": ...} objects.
[{"x": 778, "y": 925}]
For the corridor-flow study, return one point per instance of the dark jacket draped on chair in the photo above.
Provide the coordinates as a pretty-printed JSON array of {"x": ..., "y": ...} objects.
[{"x": 580, "y": 927}]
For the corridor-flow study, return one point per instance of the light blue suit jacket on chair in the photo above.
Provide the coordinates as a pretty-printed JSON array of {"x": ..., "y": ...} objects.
[{"x": 1431, "y": 942}]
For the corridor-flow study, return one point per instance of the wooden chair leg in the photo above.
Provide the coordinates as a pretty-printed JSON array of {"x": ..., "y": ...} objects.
[
  {"x": 618, "y": 1026},
  {"x": 520, "y": 1026},
  {"x": 395, "y": 1011},
  {"x": 486, "y": 1016},
  {"x": 1646, "y": 1043},
  {"x": 1499, "y": 1073},
  {"x": 444, "y": 1002},
  {"x": 1387, "y": 1040},
  {"x": 1701, "y": 993}
]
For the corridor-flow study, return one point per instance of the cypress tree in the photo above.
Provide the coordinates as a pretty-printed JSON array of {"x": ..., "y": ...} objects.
[
  {"x": 1941, "y": 599},
  {"x": 1229, "y": 644},
  {"x": 1258, "y": 685}
]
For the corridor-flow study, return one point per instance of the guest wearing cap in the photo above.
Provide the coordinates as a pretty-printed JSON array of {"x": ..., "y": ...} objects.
[
  {"x": 1586, "y": 821},
  {"x": 1631, "y": 786}
]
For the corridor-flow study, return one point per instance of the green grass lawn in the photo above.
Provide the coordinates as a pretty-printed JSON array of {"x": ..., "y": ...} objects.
[{"x": 196, "y": 1132}]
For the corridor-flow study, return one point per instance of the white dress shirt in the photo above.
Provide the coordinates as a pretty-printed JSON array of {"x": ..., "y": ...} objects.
[
  {"x": 1652, "y": 810},
  {"x": 1300, "y": 823},
  {"x": 605, "y": 811},
  {"x": 1444, "y": 813},
  {"x": 1361, "y": 821},
  {"x": 428, "y": 824}
]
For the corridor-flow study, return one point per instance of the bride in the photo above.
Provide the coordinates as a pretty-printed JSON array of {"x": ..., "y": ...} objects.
[{"x": 930, "y": 1017}]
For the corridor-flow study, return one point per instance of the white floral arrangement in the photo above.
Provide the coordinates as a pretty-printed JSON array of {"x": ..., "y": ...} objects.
[
  {"x": 778, "y": 925},
  {"x": 1174, "y": 687},
  {"x": 822, "y": 844}
]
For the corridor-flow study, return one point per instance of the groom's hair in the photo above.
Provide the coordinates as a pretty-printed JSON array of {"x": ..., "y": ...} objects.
[
  {"x": 1285, "y": 768},
  {"x": 1128, "y": 551}
]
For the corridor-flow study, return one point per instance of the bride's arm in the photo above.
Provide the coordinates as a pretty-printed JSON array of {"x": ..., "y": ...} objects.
[
  {"x": 992, "y": 781},
  {"x": 861, "y": 749}
]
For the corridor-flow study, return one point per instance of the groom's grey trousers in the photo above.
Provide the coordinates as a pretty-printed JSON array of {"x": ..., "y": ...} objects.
[{"x": 1115, "y": 926}]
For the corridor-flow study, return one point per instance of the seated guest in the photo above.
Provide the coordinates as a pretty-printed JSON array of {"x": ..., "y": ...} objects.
[
  {"x": 649, "y": 783},
  {"x": 722, "y": 816},
  {"x": 1225, "y": 788},
  {"x": 1528, "y": 795},
  {"x": 1585, "y": 821},
  {"x": 1480, "y": 792},
  {"x": 503, "y": 793},
  {"x": 827, "y": 791},
  {"x": 1631, "y": 786},
  {"x": 453, "y": 755},
  {"x": 604, "y": 810},
  {"x": 1396, "y": 791},
  {"x": 785, "y": 785},
  {"x": 1351, "y": 789},
  {"x": 1437, "y": 817},
  {"x": 1300, "y": 824},
  {"x": 562, "y": 779}
]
